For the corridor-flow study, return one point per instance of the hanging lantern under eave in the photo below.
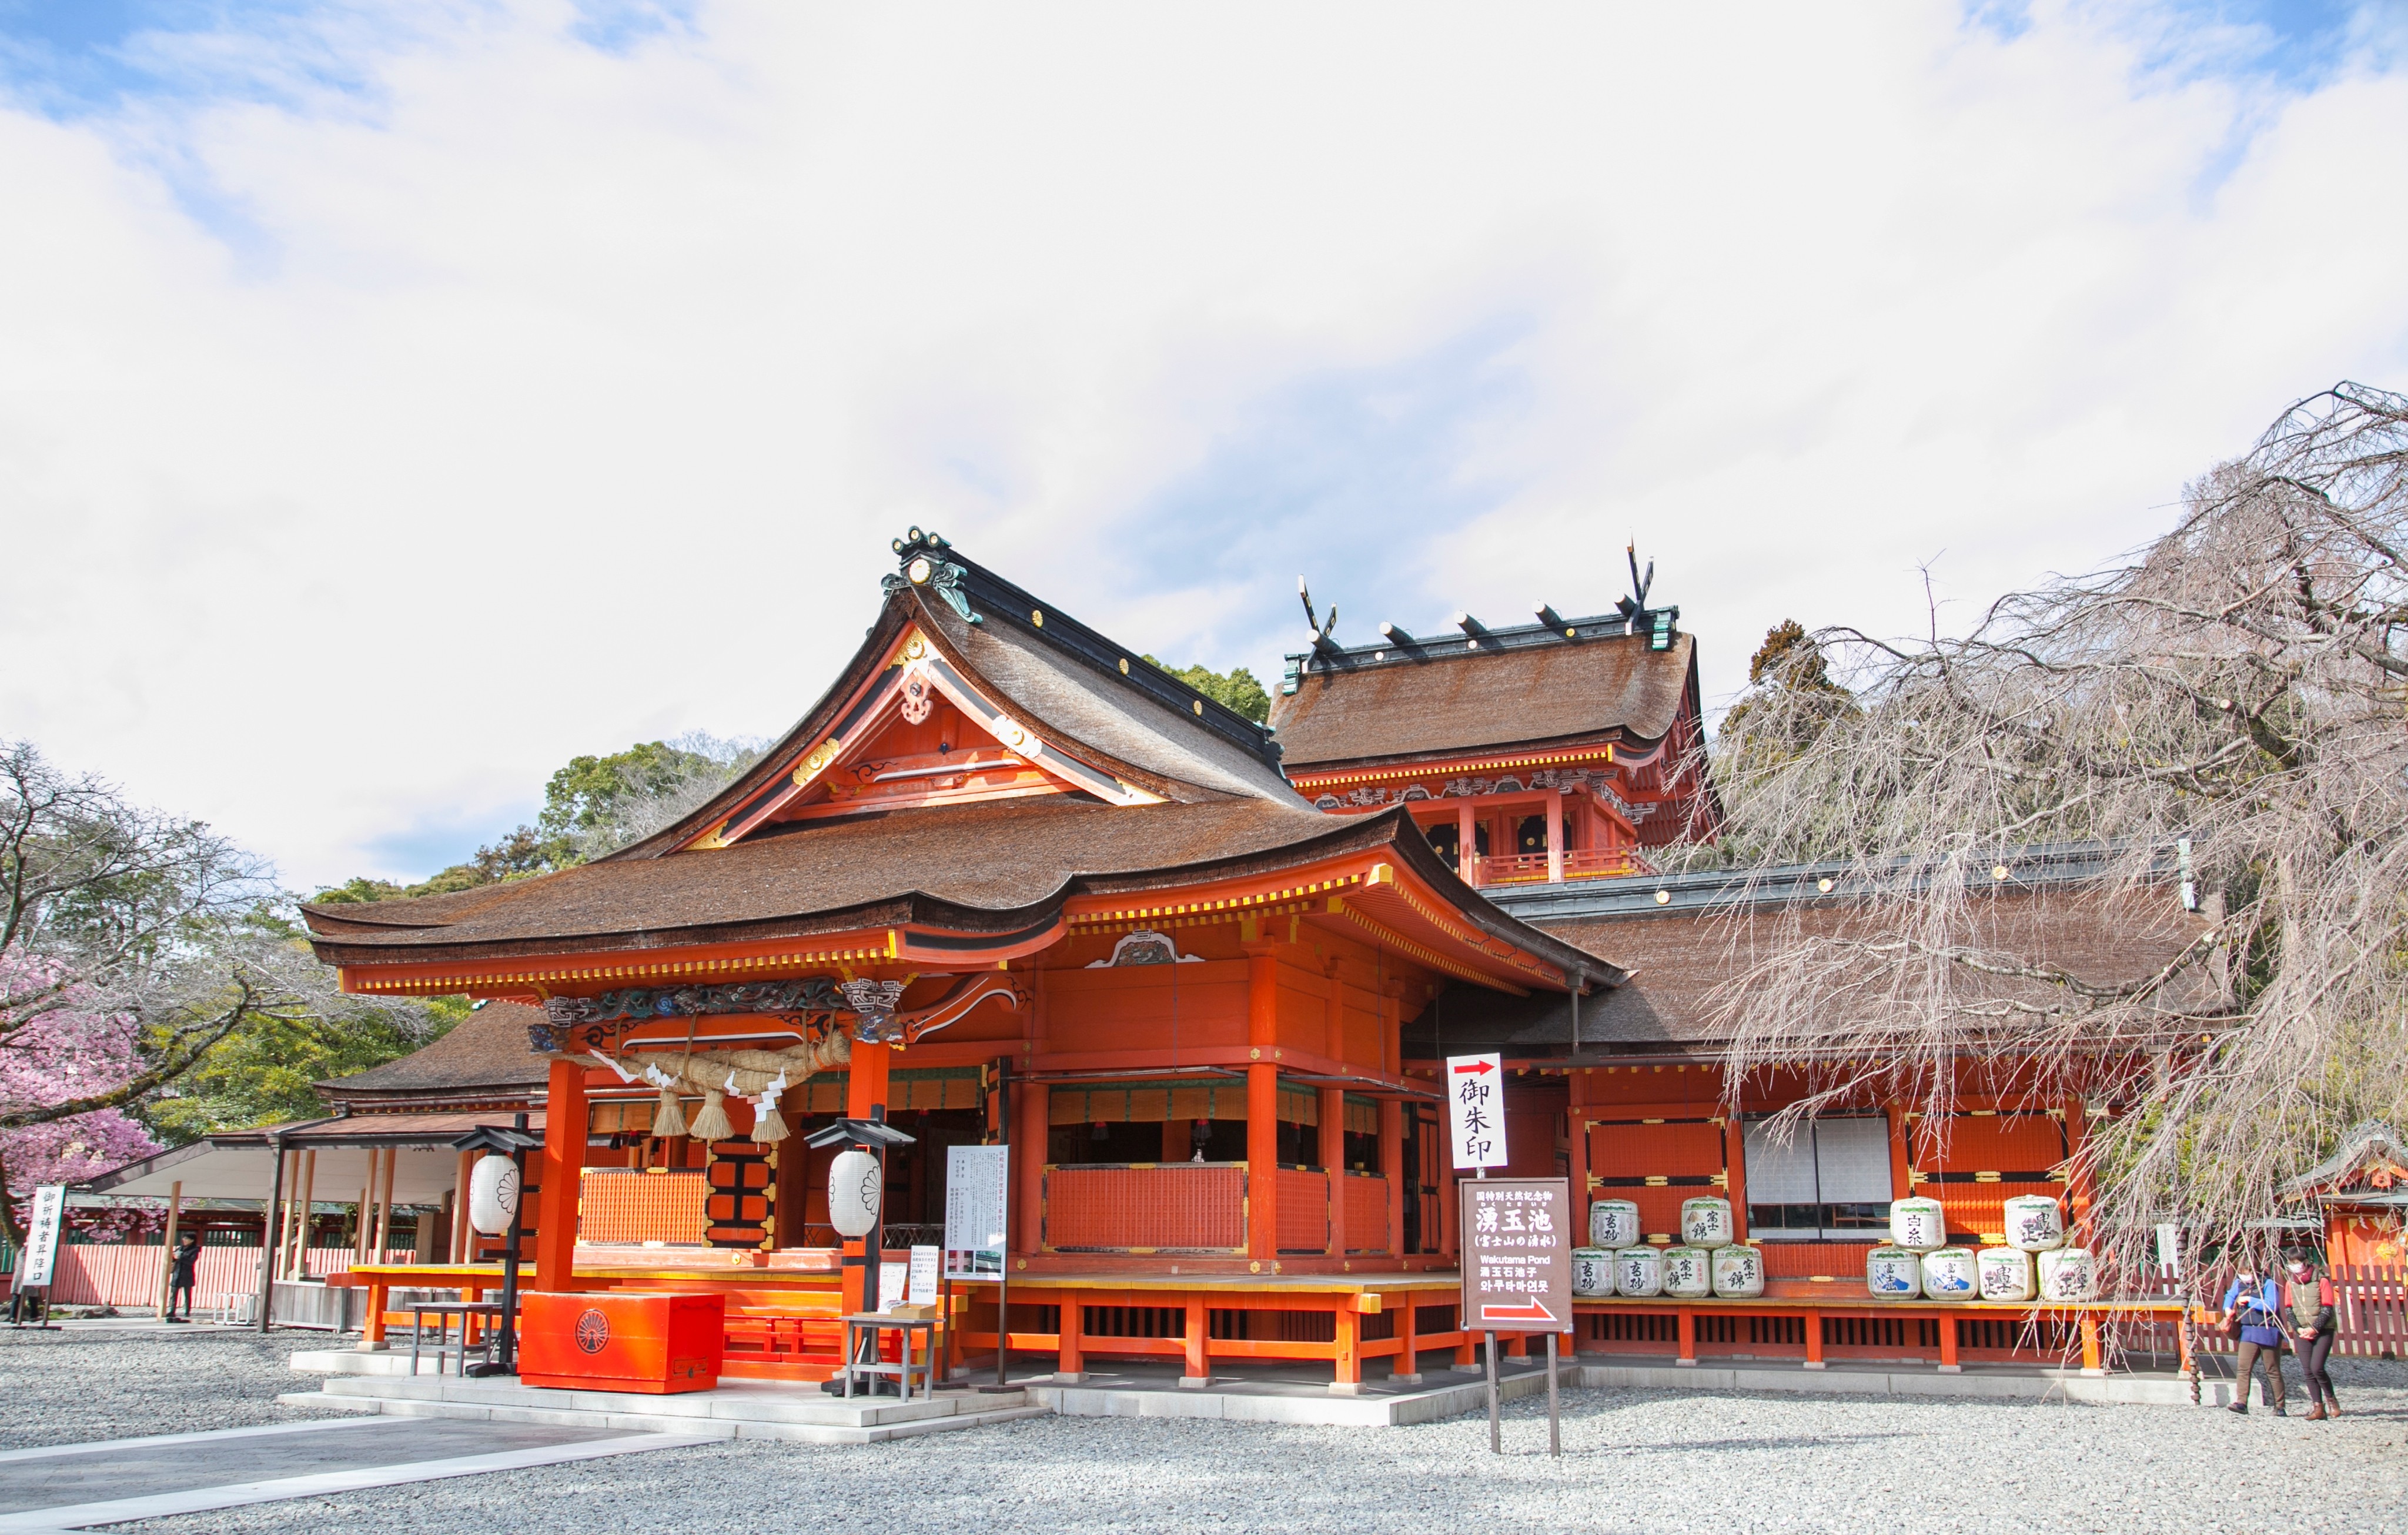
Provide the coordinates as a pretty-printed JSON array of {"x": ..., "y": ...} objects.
[
  {"x": 852, "y": 1193},
  {"x": 493, "y": 1194}
]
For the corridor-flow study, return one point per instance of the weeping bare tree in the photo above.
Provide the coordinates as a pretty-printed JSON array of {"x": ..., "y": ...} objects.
[{"x": 2217, "y": 727}]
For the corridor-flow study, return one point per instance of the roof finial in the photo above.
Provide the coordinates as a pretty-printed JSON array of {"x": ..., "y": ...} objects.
[{"x": 1321, "y": 630}]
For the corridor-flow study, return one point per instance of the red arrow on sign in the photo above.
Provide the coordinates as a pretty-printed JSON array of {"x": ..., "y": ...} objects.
[
  {"x": 1481, "y": 1068},
  {"x": 1529, "y": 1311}
]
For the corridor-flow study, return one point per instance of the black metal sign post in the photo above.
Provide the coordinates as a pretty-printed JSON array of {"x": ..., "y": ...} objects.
[
  {"x": 515, "y": 1143},
  {"x": 1517, "y": 1274}
]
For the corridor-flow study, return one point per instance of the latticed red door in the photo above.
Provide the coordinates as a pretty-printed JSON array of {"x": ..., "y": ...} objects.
[{"x": 1655, "y": 1163}]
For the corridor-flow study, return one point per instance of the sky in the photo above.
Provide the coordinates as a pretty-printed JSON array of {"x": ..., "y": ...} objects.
[{"x": 397, "y": 400}]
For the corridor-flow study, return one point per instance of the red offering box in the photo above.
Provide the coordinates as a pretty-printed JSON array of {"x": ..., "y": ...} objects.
[{"x": 613, "y": 1340}]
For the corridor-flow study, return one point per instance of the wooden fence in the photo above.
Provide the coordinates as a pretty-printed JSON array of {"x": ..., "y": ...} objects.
[
  {"x": 2370, "y": 1314},
  {"x": 127, "y": 1274}
]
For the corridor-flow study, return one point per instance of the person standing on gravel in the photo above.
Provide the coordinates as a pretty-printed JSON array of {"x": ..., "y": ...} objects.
[
  {"x": 2254, "y": 1305},
  {"x": 2311, "y": 1296},
  {"x": 182, "y": 1270}
]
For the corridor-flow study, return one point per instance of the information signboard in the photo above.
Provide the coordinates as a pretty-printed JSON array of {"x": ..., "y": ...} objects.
[
  {"x": 1475, "y": 1109},
  {"x": 1517, "y": 1254},
  {"x": 921, "y": 1290},
  {"x": 41, "y": 1254},
  {"x": 977, "y": 1183}
]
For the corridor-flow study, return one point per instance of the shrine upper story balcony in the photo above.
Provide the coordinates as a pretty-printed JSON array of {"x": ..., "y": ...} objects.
[{"x": 1542, "y": 868}]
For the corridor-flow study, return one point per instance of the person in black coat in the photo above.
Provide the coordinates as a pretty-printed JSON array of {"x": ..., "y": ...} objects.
[
  {"x": 2311, "y": 1307},
  {"x": 183, "y": 1267}
]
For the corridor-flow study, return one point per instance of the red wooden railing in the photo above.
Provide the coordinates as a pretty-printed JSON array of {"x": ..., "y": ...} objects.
[{"x": 1579, "y": 863}]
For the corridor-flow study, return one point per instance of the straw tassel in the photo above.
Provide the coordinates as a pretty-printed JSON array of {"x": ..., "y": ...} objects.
[
  {"x": 670, "y": 1120},
  {"x": 768, "y": 1127},
  {"x": 711, "y": 1122}
]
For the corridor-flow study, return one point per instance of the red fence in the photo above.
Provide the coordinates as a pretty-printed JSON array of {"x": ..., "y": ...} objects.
[
  {"x": 2369, "y": 1320},
  {"x": 111, "y": 1274}
]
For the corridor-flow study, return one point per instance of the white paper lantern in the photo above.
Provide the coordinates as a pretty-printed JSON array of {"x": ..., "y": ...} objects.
[
  {"x": 1918, "y": 1225},
  {"x": 1592, "y": 1271},
  {"x": 1739, "y": 1273},
  {"x": 1894, "y": 1273},
  {"x": 1688, "y": 1273},
  {"x": 2006, "y": 1273},
  {"x": 1638, "y": 1272},
  {"x": 852, "y": 1193},
  {"x": 1706, "y": 1223},
  {"x": 1950, "y": 1273},
  {"x": 2069, "y": 1273},
  {"x": 1613, "y": 1225},
  {"x": 492, "y": 1194},
  {"x": 2035, "y": 1223}
]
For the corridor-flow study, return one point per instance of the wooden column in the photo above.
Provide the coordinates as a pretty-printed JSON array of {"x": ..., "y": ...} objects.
[
  {"x": 1333, "y": 1163},
  {"x": 464, "y": 1241},
  {"x": 384, "y": 1206},
  {"x": 1555, "y": 837},
  {"x": 1735, "y": 1160},
  {"x": 1392, "y": 1167},
  {"x": 1466, "y": 847},
  {"x": 564, "y": 1159},
  {"x": 300, "y": 1249},
  {"x": 1576, "y": 1127},
  {"x": 1199, "y": 1327},
  {"x": 168, "y": 1252},
  {"x": 1262, "y": 1104},
  {"x": 2077, "y": 1188},
  {"x": 1901, "y": 1159},
  {"x": 865, "y": 1098},
  {"x": 1031, "y": 1127}
]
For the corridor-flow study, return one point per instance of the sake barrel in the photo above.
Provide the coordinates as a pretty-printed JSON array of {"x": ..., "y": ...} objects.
[
  {"x": 1739, "y": 1271},
  {"x": 1688, "y": 1273},
  {"x": 1950, "y": 1273},
  {"x": 2069, "y": 1273},
  {"x": 1638, "y": 1272},
  {"x": 2035, "y": 1223},
  {"x": 2006, "y": 1273},
  {"x": 1918, "y": 1225},
  {"x": 1892, "y": 1273},
  {"x": 1614, "y": 1224},
  {"x": 1592, "y": 1271},
  {"x": 1706, "y": 1222}
]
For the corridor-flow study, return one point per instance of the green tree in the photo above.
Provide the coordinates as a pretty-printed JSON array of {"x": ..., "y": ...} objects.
[{"x": 1236, "y": 689}]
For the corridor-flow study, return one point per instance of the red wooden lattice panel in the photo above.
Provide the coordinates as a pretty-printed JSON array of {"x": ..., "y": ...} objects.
[
  {"x": 1303, "y": 1211},
  {"x": 2021, "y": 1149},
  {"x": 614, "y": 1206},
  {"x": 1366, "y": 1214},
  {"x": 1178, "y": 1206},
  {"x": 1687, "y": 1154}
]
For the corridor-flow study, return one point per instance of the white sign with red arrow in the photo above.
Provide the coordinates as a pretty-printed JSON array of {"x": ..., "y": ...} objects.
[{"x": 1475, "y": 1109}]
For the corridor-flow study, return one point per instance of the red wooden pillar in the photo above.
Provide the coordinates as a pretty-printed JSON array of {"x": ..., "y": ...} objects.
[
  {"x": 1333, "y": 1163},
  {"x": 1555, "y": 837},
  {"x": 1576, "y": 1121},
  {"x": 2077, "y": 1192},
  {"x": 865, "y": 1090},
  {"x": 1262, "y": 1105},
  {"x": 1689, "y": 1326},
  {"x": 1071, "y": 1368},
  {"x": 1735, "y": 1173},
  {"x": 1813, "y": 1339},
  {"x": 564, "y": 1159},
  {"x": 1199, "y": 1363},
  {"x": 1465, "y": 850},
  {"x": 1347, "y": 1378},
  {"x": 1392, "y": 1167},
  {"x": 1032, "y": 1127},
  {"x": 1407, "y": 1370}
]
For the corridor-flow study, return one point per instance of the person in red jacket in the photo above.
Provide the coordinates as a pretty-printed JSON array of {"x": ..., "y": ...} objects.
[{"x": 2310, "y": 1306}]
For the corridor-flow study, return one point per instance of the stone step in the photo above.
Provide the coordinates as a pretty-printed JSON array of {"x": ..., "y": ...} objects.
[
  {"x": 727, "y": 1427},
  {"x": 693, "y": 1410}
]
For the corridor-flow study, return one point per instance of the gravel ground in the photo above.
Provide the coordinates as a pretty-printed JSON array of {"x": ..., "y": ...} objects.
[
  {"x": 1631, "y": 1459},
  {"x": 74, "y": 1386}
]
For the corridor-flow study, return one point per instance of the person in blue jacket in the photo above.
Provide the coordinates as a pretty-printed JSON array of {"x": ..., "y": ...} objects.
[{"x": 2255, "y": 1302}]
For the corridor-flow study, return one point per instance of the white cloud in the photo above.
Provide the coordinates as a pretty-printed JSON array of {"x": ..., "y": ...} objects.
[{"x": 365, "y": 454}]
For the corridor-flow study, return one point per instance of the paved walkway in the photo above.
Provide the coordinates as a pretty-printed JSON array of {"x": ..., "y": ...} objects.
[{"x": 78, "y": 1486}]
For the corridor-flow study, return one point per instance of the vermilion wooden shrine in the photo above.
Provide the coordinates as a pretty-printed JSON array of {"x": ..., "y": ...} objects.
[{"x": 1006, "y": 880}]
